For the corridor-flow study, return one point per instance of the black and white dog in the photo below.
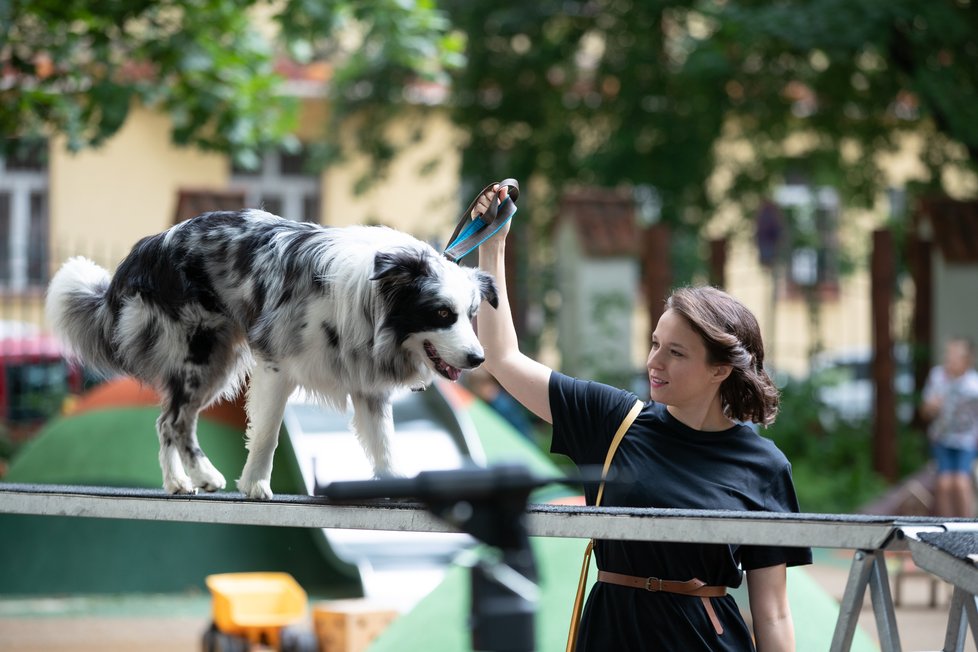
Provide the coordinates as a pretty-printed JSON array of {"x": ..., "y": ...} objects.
[{"x": 342, "y": 312}]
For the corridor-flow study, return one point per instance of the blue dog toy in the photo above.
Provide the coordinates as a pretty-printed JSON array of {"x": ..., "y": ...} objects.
[{"x": 470, "y": 233}]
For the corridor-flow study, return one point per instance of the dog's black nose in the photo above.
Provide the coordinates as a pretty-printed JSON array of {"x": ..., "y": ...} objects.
[{"x": 475, "y": 359}]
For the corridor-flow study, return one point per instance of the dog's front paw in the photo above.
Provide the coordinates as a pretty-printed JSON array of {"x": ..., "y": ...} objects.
[{"x": 259, "y": 490}]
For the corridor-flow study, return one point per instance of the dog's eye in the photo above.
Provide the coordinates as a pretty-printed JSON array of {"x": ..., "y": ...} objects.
[{"x": 444, "y": 313}]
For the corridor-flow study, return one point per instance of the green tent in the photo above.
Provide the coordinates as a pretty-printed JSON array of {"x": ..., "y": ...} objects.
[{"x": 118, "y": 447}]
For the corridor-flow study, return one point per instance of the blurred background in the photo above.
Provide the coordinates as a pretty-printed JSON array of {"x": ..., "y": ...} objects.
[{"x": 816, "y": 159}]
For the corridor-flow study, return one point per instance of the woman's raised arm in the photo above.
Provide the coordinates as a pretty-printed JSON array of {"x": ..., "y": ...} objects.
[{"x": 524, "y": 378}]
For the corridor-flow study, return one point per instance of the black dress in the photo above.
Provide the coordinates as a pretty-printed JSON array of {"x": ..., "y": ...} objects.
[{"x": 679, "y": 467}]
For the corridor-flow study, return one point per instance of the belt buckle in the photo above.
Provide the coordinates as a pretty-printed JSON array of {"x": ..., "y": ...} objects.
[{"x": 653, "y": 584}]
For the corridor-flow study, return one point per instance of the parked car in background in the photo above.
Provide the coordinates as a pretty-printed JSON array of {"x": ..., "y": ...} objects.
[
  {"x": 35, "y": 377},
  {"x": 845, "y": 383},
  {"x": 429, "y": 435}
]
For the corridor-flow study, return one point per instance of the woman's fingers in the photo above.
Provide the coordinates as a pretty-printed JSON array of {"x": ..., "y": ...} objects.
[{"x": 482, "y": 205}]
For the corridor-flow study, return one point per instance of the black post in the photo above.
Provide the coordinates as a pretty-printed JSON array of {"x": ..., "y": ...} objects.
[{"x": 490, "y": 504}]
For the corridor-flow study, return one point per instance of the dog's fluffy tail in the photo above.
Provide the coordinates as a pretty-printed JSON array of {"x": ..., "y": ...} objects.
[{"x": 77, "y": 311}]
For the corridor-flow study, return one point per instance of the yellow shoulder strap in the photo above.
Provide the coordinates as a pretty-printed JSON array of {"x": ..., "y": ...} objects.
[{"x": 622, "y": 429}]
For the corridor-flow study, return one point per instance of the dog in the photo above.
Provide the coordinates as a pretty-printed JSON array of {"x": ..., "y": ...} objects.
[{"x": 347, "y": 313}]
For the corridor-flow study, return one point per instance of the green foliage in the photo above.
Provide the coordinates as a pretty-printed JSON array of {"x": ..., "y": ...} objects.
[
  {"x": 855, "y": 77},
  {"x": 400, "y": 49},
  {"x": 832, "y": 459},
  {"x": 584, "y": 93},
  {"x": 611, "y": 92},
  {"x": 602, "y": 92},
  {"x": 75, "y": 67}
]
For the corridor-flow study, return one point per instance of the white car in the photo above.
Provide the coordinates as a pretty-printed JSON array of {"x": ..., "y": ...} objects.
[
  {"x": 429, "y": 435},
  {"x": 846, "y": 383}
]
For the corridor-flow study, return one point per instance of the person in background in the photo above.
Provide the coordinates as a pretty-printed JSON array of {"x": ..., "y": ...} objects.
[
  {"x": 950, "y": 402},
  {"x": 685, "y": 449}
]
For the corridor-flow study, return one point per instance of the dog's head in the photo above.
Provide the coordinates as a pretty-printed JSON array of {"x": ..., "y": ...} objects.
[{"x": 430, "y": 304}]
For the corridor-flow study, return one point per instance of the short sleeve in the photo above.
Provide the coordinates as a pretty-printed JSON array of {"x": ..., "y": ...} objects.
[
  {"x": 779, "y": 497},
  {"x": 585, "y": 415}
]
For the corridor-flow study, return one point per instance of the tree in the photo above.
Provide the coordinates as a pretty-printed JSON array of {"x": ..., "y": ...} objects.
[
  {"x": 76, "y": 67},
  {"x": 603, "y": 92},
  {"x": 639, "y": 92},
  {"x": 856, "y": 77}
]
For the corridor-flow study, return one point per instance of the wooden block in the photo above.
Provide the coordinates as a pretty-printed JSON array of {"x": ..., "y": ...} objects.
[{"x": 349, "y": 625}]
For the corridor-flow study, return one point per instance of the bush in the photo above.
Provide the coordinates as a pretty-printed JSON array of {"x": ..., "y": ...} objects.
[{"x": 833, "y": 467}]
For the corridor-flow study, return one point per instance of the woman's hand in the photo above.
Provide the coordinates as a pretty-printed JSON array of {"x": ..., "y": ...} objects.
[{"x": 482, "y": 205}]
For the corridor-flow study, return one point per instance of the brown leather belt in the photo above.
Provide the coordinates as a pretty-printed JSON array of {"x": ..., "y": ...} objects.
[{"x": 693, "y": 587}]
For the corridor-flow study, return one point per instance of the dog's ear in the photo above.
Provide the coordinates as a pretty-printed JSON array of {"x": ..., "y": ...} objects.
[
  {"x": 487, "y": 286},
  {"x": 400, "y": 262}
]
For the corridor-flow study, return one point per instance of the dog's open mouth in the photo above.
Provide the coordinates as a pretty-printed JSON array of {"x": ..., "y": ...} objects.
[{"x": 442, "y": 367}]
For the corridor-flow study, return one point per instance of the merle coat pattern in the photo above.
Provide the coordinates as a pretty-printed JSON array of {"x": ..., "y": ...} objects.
[{"x": 342, "y": 312}]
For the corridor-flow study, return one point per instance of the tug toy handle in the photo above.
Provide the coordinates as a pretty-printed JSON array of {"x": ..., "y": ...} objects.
[{"x": 472, "y": 232}]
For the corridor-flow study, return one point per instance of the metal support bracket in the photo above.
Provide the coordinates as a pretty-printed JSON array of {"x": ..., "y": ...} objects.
[
  {"x": 962, "y": 613},
  {"x": 868, "y": 569}
]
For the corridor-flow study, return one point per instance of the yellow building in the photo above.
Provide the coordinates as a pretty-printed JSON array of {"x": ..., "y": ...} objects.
[{"x": 99, "y": 202}]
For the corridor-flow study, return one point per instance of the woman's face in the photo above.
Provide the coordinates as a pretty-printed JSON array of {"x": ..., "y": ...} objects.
[{"x": 679, "y": 373}]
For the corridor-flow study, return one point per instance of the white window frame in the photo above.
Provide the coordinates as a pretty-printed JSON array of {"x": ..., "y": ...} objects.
[
  {"x": 292, "y": 189},
  {"x": 802, "y": 264},
  {"x": 20, "y": 185}
]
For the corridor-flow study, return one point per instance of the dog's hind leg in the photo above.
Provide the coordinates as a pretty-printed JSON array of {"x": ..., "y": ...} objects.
[
  {"x": 185, "y": 466},
  {"x": 268, "y": 391},
  {"x": 202, "y": 472},
  {"x": 175, "y": 478},
  {"x": 373, "y": 423}
]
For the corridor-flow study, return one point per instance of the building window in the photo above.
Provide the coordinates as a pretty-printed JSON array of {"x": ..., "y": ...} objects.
[
  {"x": 282, "y": 185},
  {"x": 24, "y": 218},
  {"x": 811, "y": 238},
  {"x": 5, "y": 231}
]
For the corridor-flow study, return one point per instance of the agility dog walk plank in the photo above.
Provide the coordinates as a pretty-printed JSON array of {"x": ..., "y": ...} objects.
[
  {"x": 948, "y": 549},
  {"x": 635, "y": 524},
  {"x": 228, "y": 508}
]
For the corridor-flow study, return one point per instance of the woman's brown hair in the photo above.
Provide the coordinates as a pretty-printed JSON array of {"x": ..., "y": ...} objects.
[{"x": 732, "y": 337}]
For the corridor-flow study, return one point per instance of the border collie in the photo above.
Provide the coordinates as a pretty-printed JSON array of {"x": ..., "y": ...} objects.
[{"x": 346, "y": 313}]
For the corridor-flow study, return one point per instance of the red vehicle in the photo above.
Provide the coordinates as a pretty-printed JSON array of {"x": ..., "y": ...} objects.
[{"x": 35, "y": 378}]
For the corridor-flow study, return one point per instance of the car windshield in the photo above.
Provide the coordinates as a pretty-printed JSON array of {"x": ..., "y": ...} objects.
[
  {"x": 35, "y": 390},
  {"x": 410, "y": 413},
  {"x": 314, "y": 418}
]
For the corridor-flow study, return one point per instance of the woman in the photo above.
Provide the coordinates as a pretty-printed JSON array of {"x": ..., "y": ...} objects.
[{"x": 706, "y": 375}]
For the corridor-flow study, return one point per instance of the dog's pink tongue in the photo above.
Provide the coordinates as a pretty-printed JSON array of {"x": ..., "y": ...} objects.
[{"x": 453, "y": 373}]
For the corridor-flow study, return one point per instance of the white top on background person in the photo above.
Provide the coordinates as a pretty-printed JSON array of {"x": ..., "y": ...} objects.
[{"x": 950, "y": 398}]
